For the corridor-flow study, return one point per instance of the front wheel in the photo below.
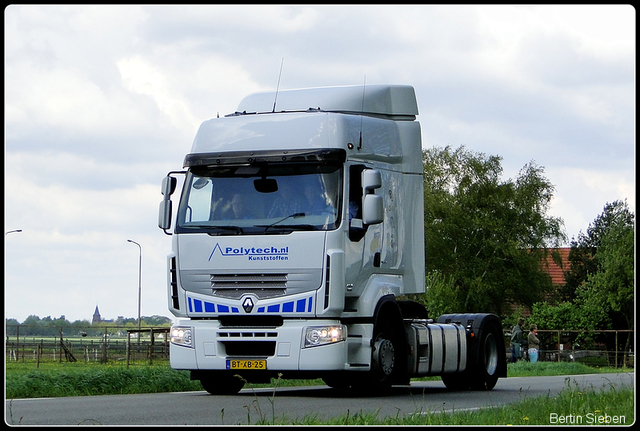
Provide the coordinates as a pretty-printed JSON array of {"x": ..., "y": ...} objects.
[
  {"x": 223, "y": 384},
  {"x": 384, "y": 358},
  {"x": 385, "y": 362}
]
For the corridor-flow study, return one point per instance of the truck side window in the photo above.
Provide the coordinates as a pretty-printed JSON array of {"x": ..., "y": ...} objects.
[{"x": 356, "y": 229}]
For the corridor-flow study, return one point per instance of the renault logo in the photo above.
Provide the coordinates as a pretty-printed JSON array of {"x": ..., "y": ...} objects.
[{"x": 247, "y": 304}]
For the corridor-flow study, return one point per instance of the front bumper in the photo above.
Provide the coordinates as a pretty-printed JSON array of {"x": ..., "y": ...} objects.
[{"x": 283, "y": 347}]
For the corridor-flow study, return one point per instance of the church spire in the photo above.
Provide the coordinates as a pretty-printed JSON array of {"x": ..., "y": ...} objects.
[{"x": 96, "y": 316}]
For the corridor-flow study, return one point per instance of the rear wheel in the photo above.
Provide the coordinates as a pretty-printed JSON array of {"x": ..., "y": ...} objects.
[
  {"x": 456, "y": 382},
  {"x": 483, "y": 373},
  {"x": 486, "y": 375}
]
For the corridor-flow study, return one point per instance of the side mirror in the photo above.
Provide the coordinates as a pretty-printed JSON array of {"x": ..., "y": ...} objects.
[
  {"x": 372, "y": 205},
  {"x": 168, "y": 186},
  {"x": 372, "y": 209},
  {"x": 371, "y": 180},
  {"x": 164, "y": 214}
]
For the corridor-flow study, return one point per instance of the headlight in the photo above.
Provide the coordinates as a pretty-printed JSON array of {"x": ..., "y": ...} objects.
[
  {"x": 182, "y": 336},
  {"x": 319, "y": 335}
]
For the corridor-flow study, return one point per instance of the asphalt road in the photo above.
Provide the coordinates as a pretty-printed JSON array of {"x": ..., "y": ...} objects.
[{"x": 248, "y": 407}]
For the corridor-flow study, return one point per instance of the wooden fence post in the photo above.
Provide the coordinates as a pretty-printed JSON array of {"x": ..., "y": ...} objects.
[
  {"x": 616, "y": 349},
  {"x": 128, "y": 347},
  {"x": 17, "y": 343},
  {"x": 38, "y": 352},
  {"x": 103, "y": 355},
  {"x": 151, "y": 347}
]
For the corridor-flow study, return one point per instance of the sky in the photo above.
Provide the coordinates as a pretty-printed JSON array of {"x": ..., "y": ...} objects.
[{"x": 102, "y": 101}]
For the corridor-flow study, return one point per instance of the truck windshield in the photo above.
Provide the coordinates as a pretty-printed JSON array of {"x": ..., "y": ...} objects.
[{"x": 268, "y": 199}]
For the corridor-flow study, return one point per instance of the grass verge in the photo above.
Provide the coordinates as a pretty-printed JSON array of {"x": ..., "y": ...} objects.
[
  {"x": 73, "y": 379},
  {"x": 68, "y": 381},
  {"x": 574, "y": 405}
]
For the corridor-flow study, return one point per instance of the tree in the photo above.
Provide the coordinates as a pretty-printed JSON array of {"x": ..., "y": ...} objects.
[
  {"x": 157, "y": 320},
  {"x": 612, "y": 284},
  {"x": 10, "y": 326},
  {"x": 441, "y": 296},
  {"x": 599, "y": 290},
  {"x": 485, "y": 235},
  {"x": 32, "y": 325},
  {"x": 582, "y": 257}
]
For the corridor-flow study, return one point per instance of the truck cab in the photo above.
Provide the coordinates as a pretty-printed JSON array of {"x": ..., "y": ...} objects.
[{"x": 299, "y": 225}]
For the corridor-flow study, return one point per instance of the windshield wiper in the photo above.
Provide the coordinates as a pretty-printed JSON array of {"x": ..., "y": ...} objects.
[
  {"x": 286, "y": 227},
  {"x": 290, "y": 228},
  {"x": 217, "y": 229}
]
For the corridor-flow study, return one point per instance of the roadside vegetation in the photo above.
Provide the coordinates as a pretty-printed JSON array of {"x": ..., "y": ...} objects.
[
  {"x": 586, "y": 405},
  {"x": 73, "y": 379}
]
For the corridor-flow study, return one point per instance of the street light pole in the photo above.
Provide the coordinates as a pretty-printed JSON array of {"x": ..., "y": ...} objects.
[{"x": 139, "y": 283}]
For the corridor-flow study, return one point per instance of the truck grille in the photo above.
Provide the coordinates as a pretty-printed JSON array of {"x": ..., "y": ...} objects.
[
  {"x": 248, "y": 280},
  {"x": 233, "y": 286},
  {"x": 259, "y": 293}
]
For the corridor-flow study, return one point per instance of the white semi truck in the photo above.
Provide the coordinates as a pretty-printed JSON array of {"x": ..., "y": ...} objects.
[{"x": 299, "y": 227}]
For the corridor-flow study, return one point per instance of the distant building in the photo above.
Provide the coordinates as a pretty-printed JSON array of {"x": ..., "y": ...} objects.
[
  {"x": 555, "y": 271},
  {"x": 96, "y": 316}
]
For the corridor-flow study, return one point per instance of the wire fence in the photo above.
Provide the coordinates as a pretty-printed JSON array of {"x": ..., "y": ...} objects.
[
  {"x": 602, "y": 348},
  {"x": 109, "y": 344},
  {"x": 113, "y": 344}
]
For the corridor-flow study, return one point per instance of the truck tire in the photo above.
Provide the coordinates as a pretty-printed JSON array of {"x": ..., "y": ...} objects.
[
  {"x": 486, "y": 375},
  {"x": 384, "y": 368},
  {"x": 483, "y": 365},
  {"x": 456, "y": 382},
  {"x": 222, "y": 384},
  {"x": 345, "y": 380},
  {"x": 384, "y": 359},
  {"x": 388, "y": 349}
]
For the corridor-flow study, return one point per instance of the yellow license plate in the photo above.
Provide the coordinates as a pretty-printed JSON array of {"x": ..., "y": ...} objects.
[{"x": 246, "y": 364}]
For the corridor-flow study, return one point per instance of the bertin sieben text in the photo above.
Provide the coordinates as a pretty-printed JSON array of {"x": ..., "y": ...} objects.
[{"x": 596, "y": 418}]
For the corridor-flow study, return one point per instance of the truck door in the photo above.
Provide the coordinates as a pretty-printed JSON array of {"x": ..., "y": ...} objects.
[{"x": 365, "y": 241}]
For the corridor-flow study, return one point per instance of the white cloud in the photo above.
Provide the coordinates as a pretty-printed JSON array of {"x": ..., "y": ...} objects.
[
  {"x": 102, "y": 101},
  {"x": 64, "y": 97},
  {"x": 77, "y": 207},
  {"x": 606, "y": 31},
  {"x": 582, "y": 193},
  {"x": 143, "y": 78}
]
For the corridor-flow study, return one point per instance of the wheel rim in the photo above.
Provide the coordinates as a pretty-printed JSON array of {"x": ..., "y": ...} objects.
[{"x": 385, "y": 356}]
